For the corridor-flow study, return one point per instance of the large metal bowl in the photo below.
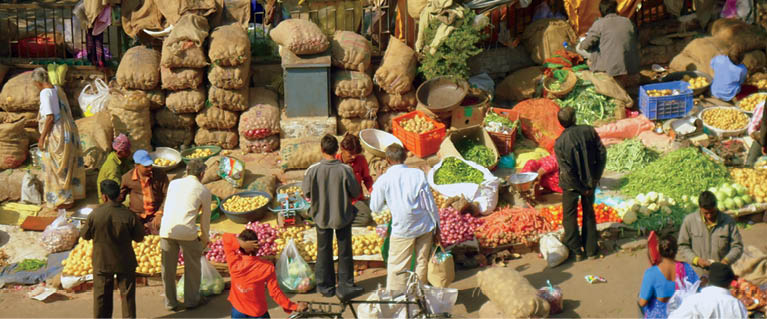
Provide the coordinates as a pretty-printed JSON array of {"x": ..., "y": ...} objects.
[
  {"x": 214, "y": 148},
  {"x": 442, "y": 94},
  {"x": 246, "y": 217},
  {"x": 679, "y": 76},
  {"x": 166, "y": 153},
  {"x": 522, "y": 181},
  {"x": 376, "y": 141},
  {"x": 720, "y": 132}
]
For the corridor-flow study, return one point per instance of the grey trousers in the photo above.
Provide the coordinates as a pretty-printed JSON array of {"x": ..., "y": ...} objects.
[{"x": 192, "y": 275}]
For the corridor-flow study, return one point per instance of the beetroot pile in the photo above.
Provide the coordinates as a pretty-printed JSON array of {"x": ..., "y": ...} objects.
[{"x": 455, "y": 227}]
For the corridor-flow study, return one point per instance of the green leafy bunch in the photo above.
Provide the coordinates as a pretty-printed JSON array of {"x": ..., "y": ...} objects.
[{"x": 451, "y": 57}]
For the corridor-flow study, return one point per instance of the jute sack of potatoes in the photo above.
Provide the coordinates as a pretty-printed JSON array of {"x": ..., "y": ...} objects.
[
  {"x": 131, "y": 116},
  {"x": 31, "y": 118},
  {"x": 227, "y": 139},
  {"x": 183, "y": 47},
  {"x": 520, "y": 302},
  {"x": 352, "y": 84},
  {"x": 352, "y": 107},
  {"x": 156, "y": 99},
  {"x": 398, "y": 68},
  {"x": 181, "y": 78},
  {"x": 139, "y": 69},
  {"x": 172, "y": 137},
  {"x": 20, "y": 94},
  {"x": 167, "y": 119},
  {"x": 384, "y": 120},
  {"x": 300, "y": 36},
  {"x": 186, "y": 101},
  {"x": 229, "y": 45},
  {"x": 300, "y": 153},
  {"x": 216, "y": 118},
  {"x": 14, "y": 145},
  {"x": 181, "y": 55},
  {"x": 397, "y": 102},
  {"x": 354, "y": 126},
  {"x": 230, "y": 77},
  {"x": 262, "y": 145},
  {"x": 232, "y": 100},
  {"x": 350, "y": 51}
]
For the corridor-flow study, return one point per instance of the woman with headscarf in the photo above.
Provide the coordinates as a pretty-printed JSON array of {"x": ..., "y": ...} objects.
[
  {"x": 59, "y": 142},
  {"x": 117, "y": 162}
]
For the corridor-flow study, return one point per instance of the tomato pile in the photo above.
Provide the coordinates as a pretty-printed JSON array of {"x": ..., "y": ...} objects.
[{"x": 603, "y": 213}]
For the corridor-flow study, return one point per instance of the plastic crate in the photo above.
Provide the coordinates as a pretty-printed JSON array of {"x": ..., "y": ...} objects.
[
  {"x": 423, "y": 144},
  {"x": 665, "y": 107},
  {"x": 505, "y": 142}
]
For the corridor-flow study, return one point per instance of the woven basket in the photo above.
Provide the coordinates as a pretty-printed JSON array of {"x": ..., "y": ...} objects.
[{"x": 566, "y": 87}]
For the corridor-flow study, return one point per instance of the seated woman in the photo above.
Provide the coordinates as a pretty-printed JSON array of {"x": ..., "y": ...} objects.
[
  {"x": 351, "y": 154},
  {"x": 548, "y": 172},
  {"x": 659, "y": 282}
]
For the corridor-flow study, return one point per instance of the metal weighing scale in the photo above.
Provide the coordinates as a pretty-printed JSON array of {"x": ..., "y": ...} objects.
[
  {"x": 525, "y": 185},
  {"x": 285, "y": 213}
]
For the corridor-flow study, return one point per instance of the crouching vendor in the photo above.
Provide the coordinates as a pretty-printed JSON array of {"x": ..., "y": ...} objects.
[
  {"x": 729, "y": 75},
  {"x": 757, "y": 129},
  {"x": 147, "y": 187},
  {"x": 548, "y": 173}
]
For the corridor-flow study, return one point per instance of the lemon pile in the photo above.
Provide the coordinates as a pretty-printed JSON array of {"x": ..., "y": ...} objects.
[
  {"x": 752, "y": 101},
  {"x": 697, "y": 82},
  {"x": 237, "y": 204},
  {"x": 200, "y": 153},
  {"x": 753, "y": 179},
  {"x": 761, "y": 84},
  {"x": 148, "y": 256},
  {"x": 307, "y": 250},
  {"x": 163, "y": 162},
  {"x": 365, "y": 245},
  {"x": 659, "y": 93},
  {"x": 728, "y": 119},
  {"x": 417, "y": 124},
  {"x": 290, "y": 190}
]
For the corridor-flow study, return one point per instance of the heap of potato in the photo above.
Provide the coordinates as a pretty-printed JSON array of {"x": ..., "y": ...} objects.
[
  {"x": 728, "y": 119},
  {"x": 290, "y": 190},
  {"x": 200, "y": 153},
  {"x": 163, "y": 162},
  {"x": 753, "y": 179},
  {"x": 238, "y": 204},
  {"x": 696, "y": 82},
  {"x": 148, "y": 256},
  {"x": 369, "y": 244},
  {"x": 761, "y": 84},
  {"x": 659, "y": 93},
  {"x": 417, "y": 124},
  {"x": 752, "y": 101}
]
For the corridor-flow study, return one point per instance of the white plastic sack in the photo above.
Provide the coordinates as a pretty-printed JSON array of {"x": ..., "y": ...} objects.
[
  {"x": 30, "y": 189},
  {"x": 684, "y": 290},
  {"x": 93, "y": 103},
  {"x": 553, "y": 251},
  {"x": 485, "y": 194},
  {"x": 293, "y": 273},
  {"x": 68, "y": 282},
  {"x": 60, "y": 235},
  {"x": 211, "y": 282},
  {"x": 440, "y": 300},
  {"x": 381, "y": 311}
]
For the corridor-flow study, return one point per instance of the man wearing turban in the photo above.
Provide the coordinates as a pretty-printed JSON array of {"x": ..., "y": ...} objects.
[{"x": 117, "y": 162}]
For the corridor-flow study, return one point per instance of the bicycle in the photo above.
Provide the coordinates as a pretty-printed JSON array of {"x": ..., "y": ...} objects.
[{"x": 414, "y": 296}]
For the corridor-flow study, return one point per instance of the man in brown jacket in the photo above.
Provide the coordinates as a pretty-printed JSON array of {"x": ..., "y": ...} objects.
[
  {"x": 708, "y": 237},
  {"x": 147, "y": 187},
  {"x": 112, "y": 227}
]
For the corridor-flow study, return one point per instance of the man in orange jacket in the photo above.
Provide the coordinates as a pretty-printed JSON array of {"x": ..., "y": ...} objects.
[{"x": 249, "y": 276}]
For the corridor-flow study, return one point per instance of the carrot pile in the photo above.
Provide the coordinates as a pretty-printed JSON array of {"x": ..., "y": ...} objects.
[{"x": 511, "y": 226}]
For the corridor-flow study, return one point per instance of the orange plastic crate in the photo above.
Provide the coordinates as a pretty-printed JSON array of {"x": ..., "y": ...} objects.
[
  {"x": 424, "y": 144},
  {"x": 504, "y": 142}
]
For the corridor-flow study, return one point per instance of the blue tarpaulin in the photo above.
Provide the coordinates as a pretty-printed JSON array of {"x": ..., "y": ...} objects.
[{"x": 8, "y": 275}]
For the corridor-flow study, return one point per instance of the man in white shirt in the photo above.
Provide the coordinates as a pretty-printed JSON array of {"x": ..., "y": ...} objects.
[
  {"x": 415, "y": 218},
  {"x": 185, "y": 199},
  {"x": 714, "y": 301}
]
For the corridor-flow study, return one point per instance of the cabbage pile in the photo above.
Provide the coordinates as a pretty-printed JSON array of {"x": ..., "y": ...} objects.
[{"x": 731, "y": 196}]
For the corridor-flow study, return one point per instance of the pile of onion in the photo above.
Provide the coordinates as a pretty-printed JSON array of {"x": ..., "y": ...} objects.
[
  {"x": 266, "y": 238},
  {"x": 455, "y": 227}
]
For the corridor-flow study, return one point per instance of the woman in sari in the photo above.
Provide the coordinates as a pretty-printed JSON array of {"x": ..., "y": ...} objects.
[
  {"x": 663, "y": 279},
  {"x": 59, "y": 142}
]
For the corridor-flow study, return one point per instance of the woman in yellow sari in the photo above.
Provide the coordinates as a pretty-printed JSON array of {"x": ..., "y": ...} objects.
[{"x": 59, "y": 142}]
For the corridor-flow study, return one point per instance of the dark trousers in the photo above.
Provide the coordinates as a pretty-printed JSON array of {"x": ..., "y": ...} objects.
[
  {"x": 103, "y": 287},
  {"x": 237, "y": 314},
  {"x": 587, "y": 238},
  {"x": 323, "y": 270}
]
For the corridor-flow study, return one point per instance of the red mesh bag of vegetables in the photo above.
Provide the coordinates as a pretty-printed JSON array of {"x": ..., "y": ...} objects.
[{"x": 538, "y": 120}]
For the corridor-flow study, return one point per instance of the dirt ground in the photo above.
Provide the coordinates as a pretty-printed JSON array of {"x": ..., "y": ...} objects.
[{"x": 614, "y": 299}]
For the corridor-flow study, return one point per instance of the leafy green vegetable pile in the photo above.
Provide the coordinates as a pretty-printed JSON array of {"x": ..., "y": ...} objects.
[
  {"x": 629, "y": 155},
  {"x": 505, "y": 122},
  {"x": 450, "y": 58},
  {"x": 659, "y": 221},
  {"x": 475, "y": 152},
  {"x": 682, "y": 172},
  {"x": 30, "y": 265},
  {"x": 455, "y": 171},
  {"x": 589, "y": 105}
]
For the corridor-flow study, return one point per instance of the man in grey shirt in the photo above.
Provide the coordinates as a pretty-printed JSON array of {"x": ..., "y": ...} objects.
[{"x": 330, "y": 186}]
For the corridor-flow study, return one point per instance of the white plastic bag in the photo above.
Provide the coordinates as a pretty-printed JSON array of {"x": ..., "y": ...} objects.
[
  {"x": 380, "y": 311},
  {"x": 211, "y": 282},
  {"x": 485, "y": 194},
  {"x": 684, "y": 289},
  {"x": 293, "y": 273},
  {"x": 94, "y": 103},
  {"x": 60, "y": 235},
  {"x": 30, "y": 189},
  {"x": 440, "y": 300},
  {"x": 553, "y": 251}
]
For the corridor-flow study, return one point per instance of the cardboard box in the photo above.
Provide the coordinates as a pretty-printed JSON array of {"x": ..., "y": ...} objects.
[
  {"x": 467, "y": 116},
  {"x": 476, "y": 133}
]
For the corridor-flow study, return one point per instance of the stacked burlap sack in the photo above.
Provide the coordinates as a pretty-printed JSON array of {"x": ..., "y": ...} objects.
[
  {"x": 182, "y": 68},
  {"x": 394, "y": 83},
  {"x": 138, "y": 76},
  {"x": 21, "y": 98},
  {"x": 229, "y": 77},
  {"x": 354, "y": 101},
  {"x": 259, "y": 127}
]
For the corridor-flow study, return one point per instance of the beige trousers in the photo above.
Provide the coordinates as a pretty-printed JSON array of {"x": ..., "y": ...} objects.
[{"x": 400, "y": 253}]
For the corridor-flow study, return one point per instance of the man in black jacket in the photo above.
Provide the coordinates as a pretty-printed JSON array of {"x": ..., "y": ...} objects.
[{"x": 581, "y": 157}]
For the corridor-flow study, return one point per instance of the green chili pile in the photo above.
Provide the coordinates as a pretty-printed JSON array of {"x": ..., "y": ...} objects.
[
  {"x": 629, "y": 155},
  {"x": 475, "y": 152},
  {"x": 589, "y": 105},
  {"x": 682, "y": 172},
  {"x": 455, "y": 171},
  {"x": 30, "y": 265}
]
